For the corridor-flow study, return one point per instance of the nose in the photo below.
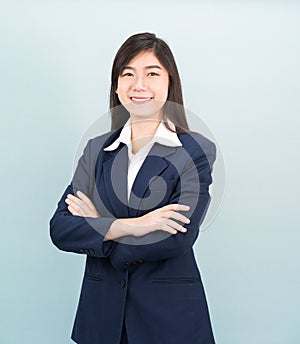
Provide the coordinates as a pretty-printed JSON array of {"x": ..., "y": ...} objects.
[{"x": 139, "y": 84}]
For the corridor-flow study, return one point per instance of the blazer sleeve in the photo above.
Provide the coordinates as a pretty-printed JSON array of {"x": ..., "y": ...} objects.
[
  {"x": 76, "y": 233},
  {"x": 199, "y": 168}
]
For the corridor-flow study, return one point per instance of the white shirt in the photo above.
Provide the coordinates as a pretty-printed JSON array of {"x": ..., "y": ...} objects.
[{"x": 135, "y": 161}]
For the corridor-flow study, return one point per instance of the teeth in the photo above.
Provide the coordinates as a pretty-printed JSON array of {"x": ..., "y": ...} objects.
[{"x": 140, "y": 99}]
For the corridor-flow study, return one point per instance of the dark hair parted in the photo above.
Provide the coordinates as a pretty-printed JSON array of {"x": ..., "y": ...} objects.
[{"x": 173, "y": 108}]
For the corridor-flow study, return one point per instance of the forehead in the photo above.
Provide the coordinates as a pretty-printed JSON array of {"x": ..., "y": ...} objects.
[{"x": 144, "y": 58}]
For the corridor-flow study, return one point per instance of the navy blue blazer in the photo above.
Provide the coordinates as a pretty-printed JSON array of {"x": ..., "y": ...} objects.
[{"x": 151, "y": 282}]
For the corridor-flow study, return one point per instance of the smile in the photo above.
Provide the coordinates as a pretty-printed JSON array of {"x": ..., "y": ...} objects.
[{"x": 140, "y": 100}]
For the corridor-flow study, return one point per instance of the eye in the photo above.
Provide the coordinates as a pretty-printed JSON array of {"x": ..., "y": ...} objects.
[
  {"x": 153, "y": 74},
  {"x": 127, "y": 74}
]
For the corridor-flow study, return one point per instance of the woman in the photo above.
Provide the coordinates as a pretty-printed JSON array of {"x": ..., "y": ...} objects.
[{"x": 134, "y": 207}]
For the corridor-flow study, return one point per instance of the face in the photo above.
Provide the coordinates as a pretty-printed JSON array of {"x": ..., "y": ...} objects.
[{"x": 143, "y": 86}]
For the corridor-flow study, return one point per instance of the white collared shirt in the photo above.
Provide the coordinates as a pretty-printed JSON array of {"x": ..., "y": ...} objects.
[{"x": 135, "y": 161}]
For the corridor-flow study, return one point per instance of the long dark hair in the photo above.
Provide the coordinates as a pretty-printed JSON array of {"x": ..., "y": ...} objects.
[{"x": 173, "y": 108}]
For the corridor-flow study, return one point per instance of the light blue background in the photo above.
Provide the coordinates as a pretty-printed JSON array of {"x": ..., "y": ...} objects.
[{"x": 239, "y": 64}]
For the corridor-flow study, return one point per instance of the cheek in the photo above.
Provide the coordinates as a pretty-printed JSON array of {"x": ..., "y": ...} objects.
[
  {"x": 120, "y": 85},
  {"x": 122, "y": 93},
  {"x": 167, "y": 88},
  {"x": 121, "y": 90},
  {"x": 121, "y": 97},
  {"x": 163, "y": 89}
]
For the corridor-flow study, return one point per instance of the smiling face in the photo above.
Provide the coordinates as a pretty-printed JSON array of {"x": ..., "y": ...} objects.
[{"x": 143, "y": 86}]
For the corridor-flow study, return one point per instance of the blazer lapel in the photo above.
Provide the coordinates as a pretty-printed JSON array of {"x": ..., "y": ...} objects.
[
  {"x": 113, "y": 185},
  {"x": 114, "y": 181},
  {"x": 153, "y": 166}
]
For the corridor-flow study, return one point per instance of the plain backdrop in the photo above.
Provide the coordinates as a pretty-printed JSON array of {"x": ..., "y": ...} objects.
[{"x": 239, "y": 65}]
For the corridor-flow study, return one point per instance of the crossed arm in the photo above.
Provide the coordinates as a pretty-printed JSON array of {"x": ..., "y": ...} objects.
[
  {"x": 159, "y": 219},
  {"x": 73, "y": 230}
]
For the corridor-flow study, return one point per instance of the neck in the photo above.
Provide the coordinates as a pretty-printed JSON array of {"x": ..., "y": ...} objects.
[
  {"x": 142, "y": 130},
  {"x": 144, "y": 127}
]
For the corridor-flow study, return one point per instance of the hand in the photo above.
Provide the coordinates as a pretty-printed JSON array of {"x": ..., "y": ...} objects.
[
  {"x": 160, "y": 219},
  {"x": 81, "y": 205}
]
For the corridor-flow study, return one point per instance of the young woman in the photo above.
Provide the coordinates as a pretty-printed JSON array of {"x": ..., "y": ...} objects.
[{"x": 134, "y": 207}]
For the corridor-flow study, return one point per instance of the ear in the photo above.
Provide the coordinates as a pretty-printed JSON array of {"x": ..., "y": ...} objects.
[{"x": 116, "y": 90}]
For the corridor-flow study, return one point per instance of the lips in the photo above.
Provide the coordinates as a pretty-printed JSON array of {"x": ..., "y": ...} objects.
[{"x": 140, "y": 100}]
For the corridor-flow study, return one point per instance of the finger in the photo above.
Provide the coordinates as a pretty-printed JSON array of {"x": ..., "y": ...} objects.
[
  {"x": 77, "y": 203},
  {"x": 178, "y": 207},
  {"x": 90, "y": 208},
  {"x": 167, "y": 228},
  {"x": 71, "y": 202},
  {"x": 85, "y": 199},
  {"x": 177, "y": 216},
  {"x": 73, "y": 211},
  {"x": 76, "y": 208},
  {"x": 175, "y": 225},
  {"x": 74, "y": 199}
]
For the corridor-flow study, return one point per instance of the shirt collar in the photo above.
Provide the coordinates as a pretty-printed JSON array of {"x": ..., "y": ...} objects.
[{"x": 162, "y": 135}]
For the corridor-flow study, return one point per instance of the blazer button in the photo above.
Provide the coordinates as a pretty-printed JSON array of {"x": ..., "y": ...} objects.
[
  {"x": 123, "y": 283},
  {"x": 140, "y": 261},
  {"x": 92, "y": 252},
  {"x": 81, "y": 250},
  {"x": 127, "y": 263}
]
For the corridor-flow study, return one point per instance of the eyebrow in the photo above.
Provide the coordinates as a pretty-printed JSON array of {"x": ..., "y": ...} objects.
[{"x": 147, "y": 67}]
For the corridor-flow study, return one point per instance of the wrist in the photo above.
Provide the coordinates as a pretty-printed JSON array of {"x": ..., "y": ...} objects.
[
  {"x": 128, "y": 225},
  {"x": 121, "y": 227}
]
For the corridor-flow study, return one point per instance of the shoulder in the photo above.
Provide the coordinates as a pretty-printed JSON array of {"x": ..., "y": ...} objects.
[
  {"x": 97, "y": 143},
  {"x": 197, "y": 144}
]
